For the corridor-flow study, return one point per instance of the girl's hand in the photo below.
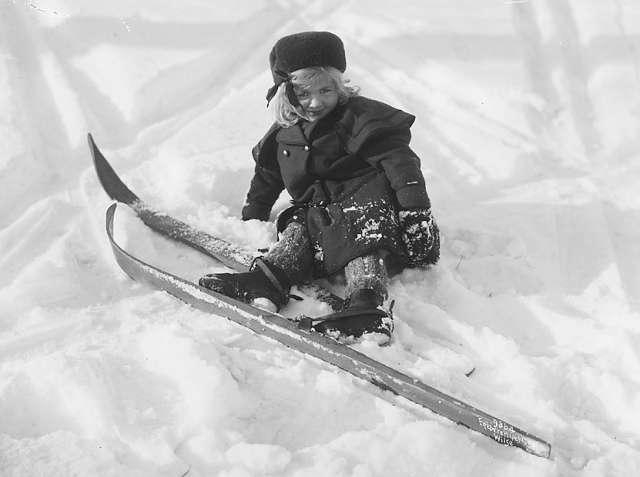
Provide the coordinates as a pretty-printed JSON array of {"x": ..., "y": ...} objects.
[{"x": 421, "y": 236}]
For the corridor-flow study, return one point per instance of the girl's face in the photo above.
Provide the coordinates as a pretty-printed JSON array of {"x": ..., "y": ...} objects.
[{"x": 317, "y": 99}]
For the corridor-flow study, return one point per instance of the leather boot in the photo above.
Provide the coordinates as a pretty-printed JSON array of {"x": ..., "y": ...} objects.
[
  {"x": 363, "y": 313},
  {"x": 264, "y": 280}
]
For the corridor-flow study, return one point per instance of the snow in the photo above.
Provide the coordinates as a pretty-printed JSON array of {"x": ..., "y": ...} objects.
[{"x": 527, "y": 119}]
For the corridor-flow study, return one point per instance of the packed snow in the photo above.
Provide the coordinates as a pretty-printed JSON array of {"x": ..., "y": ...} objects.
[{"x": 528, "y": 113}]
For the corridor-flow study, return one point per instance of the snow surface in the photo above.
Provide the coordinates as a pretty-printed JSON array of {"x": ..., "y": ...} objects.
[{"x": 528, "y": 118}]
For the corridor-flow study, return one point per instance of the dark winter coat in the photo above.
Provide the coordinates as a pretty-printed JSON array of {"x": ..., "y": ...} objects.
[{"x": 351, "y": 171}]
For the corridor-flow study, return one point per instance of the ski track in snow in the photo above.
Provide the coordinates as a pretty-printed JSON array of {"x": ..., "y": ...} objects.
[{"x": 527, "y": 120}]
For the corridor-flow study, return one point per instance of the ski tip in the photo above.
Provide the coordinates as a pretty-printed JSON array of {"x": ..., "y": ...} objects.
[
  {"x": 92, "y": 144},
  {"x": 110, "y": 181}
]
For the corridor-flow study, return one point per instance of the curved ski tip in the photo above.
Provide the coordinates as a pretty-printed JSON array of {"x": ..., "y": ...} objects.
[
  {"x": 110, "y": 181},
  {"x": 93, "y": 147}
]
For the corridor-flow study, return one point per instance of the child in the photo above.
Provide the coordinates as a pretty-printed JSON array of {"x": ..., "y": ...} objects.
[{"x": 359, "y": 199}]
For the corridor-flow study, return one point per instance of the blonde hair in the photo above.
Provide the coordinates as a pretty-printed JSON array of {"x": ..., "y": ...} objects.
[{"x": 286, "y": 115}]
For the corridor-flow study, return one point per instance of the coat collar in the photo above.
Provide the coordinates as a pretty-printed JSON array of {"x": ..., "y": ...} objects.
[
  {"x": 302, "y": 133},
  {"x": 292, "y": 135}
]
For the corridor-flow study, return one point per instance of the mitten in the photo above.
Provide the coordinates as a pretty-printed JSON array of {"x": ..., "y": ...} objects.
[
  {"x": 421, "y": 237},
  {"x": 255, "y": 211}
]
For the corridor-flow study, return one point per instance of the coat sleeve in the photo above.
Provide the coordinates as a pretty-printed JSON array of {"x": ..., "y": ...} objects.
[
  {"x": 264, "y": 190},
  {"x": 390, "y": 151},
  {"x": 266, "y": 183}
]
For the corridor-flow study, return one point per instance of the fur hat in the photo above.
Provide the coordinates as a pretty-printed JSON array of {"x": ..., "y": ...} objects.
[{"x": 303, "y": 50}]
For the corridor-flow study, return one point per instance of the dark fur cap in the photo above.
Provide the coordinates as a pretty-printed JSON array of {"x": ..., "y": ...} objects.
[{"x": 303, "y": 50}]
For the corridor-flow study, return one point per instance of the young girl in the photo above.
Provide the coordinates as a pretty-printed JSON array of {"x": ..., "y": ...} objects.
[{"x": 360, "y": 205}]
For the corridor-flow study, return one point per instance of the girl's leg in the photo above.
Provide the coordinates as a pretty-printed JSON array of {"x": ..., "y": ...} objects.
[
  {"x": 366, "y": 290},
  {"x": 292, "y": 253},
  {"x": 367, "y": 273},
  {"x": 289, "y": 261}
]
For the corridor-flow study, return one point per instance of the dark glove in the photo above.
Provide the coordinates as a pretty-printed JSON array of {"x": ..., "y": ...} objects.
[
  {"x": 255, "y": 211},
  {"x": 421, "y": 237}
]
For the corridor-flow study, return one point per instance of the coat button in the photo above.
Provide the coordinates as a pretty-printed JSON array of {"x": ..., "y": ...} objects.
[
  {"x": 306, "y": 148},
  {"x": 285, "y": 152}
]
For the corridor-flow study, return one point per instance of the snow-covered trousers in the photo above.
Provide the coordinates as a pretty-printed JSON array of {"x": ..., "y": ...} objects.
[{"x": 293, "y": 254}]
